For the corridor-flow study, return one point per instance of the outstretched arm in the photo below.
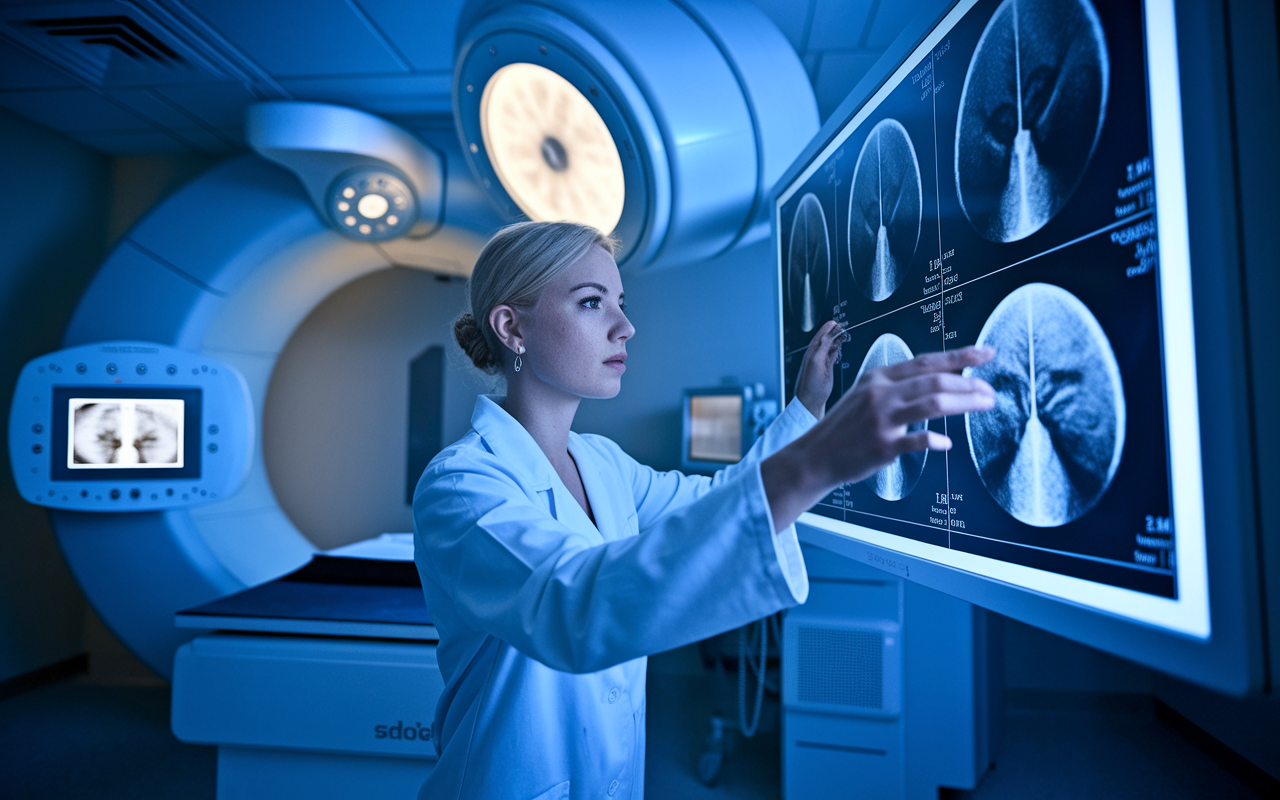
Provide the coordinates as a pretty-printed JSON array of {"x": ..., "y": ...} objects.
[{"x": 867, "y": 428}]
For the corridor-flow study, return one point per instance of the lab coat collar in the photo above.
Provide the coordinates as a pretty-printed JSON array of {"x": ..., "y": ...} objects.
[{"x": 507, "y": 439}]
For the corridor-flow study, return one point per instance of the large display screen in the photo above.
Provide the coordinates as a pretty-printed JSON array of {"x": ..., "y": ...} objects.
[
  {"x": 1018, "y": 182},
  {"x": 109, "y": 433}
]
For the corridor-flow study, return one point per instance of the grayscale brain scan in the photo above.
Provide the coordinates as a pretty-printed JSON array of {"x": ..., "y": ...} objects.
[
  {"x": 809, "y": 262},
  {"x": 1049, "y": 449},
  {"x": 885, "y": 204},
  {"x": 1033, "y": 104},
  {"x": 126, "y": 433},
  {"x": 895, "y": 481}
]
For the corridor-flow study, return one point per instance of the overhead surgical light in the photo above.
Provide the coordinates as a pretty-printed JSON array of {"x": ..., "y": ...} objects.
[
  {"x": 664, "y": 122},
  {"x": 369, "y": 179},
  {"x": 551, "y": 150}
]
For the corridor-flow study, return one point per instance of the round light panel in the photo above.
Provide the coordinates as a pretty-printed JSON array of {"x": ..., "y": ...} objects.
[
  {"x": 550, "y": 148},
  {"x": 372, "y": 204}
]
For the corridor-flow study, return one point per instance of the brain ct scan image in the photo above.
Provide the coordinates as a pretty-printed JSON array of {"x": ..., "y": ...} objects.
[
  {"x": 1031, "y": 112},
  {"x": 1048, "y": 450},
  {"x": 885, "y": 209},
  {"x": 126, "y": 433},
  {"x": 895, "y": 481},
  {"x": 808, "y": 263}
]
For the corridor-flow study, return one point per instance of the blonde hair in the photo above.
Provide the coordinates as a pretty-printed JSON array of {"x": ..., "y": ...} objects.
[{"x": 513, "y": 269}]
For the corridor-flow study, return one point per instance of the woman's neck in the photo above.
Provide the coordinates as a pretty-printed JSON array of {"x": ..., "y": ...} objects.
[{"x": 545, "y": 412}]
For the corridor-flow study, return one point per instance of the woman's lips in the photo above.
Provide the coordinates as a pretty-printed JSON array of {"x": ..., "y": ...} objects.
[{"x": 617, "y": 362}]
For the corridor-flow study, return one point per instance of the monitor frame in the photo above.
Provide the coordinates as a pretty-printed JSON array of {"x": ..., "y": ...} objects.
[{"x": 1234, "y": 656}]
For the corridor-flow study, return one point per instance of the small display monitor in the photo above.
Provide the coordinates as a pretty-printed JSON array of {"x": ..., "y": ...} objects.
[
  {"x": 108, "y": 433},
  {"x": 715, "y": 428}
]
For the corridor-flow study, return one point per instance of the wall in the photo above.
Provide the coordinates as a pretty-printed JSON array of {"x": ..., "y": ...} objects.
[{"x": 53, "y": 222}]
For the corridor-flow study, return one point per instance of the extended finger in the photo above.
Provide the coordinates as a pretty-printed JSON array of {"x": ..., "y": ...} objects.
[
  {"x": 941, "y": 404},
  {"x": 914, "y": 388},
  {"x": 922, "y": 440},
  {"x": 943, "y": 361}
]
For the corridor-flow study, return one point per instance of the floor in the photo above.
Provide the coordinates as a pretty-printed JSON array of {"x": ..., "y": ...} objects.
[{"x": 79, "y": 739}]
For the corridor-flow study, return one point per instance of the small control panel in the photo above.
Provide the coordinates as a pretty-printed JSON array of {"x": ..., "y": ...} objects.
[{"x": 129, "y": 426}]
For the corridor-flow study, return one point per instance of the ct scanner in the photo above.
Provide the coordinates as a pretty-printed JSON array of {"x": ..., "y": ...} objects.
[{"x": 705, "y": 104}]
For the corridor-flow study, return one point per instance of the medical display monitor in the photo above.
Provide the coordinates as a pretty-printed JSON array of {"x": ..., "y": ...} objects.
[
  {"x": 1018, "y": 182},
  {"x": 128, "y": 426},
  {"x": 103, "y": 432},
  {"x": 715, "y": 428}
]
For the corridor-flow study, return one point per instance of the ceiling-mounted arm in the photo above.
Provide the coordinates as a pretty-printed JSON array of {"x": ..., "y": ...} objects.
[{"x": 369, "y": 179}]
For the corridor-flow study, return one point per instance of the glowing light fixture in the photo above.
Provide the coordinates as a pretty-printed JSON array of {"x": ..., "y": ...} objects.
[{"x": 550, "y": 148}]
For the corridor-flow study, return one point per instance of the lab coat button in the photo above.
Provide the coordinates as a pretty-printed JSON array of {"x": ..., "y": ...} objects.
[
  {"x": 613, "y": 788},
  {"x": 613, "y": 698}
]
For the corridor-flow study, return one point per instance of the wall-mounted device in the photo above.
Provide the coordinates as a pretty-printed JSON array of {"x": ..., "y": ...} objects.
[
  {"x": 129, "y": 426},
  {"x": 369, "y": 179},
  {"x": 721, "y": 424},
  {"x": 1037, "y": 177}
]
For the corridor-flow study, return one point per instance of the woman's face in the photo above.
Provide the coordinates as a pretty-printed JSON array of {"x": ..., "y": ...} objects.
[{"x": 575, "y": 336}]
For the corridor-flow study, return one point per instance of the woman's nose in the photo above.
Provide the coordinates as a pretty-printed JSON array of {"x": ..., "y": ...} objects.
[{"x": 624, "y": 329}]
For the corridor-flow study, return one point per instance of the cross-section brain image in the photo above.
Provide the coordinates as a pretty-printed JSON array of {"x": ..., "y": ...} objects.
[
  {"x": 1048, "y": 450},
  {"x": 126, "y": 433},
  {"x": 885, "y": 208},
  {"x": 96, "y": 438},
  {"x": 809, "y": 263},
  {"x": 895, "y": 481},
  {"x": 1031, "y": 111}
]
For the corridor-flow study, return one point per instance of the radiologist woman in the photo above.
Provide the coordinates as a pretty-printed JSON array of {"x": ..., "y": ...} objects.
[{"x": 553, "y": 563}]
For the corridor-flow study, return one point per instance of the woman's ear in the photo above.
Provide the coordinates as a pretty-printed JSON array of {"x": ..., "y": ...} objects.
[{"x": 505, "y": 322}]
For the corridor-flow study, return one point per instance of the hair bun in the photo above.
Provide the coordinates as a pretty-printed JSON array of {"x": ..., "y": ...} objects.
[{"x": 471, "y": 340}]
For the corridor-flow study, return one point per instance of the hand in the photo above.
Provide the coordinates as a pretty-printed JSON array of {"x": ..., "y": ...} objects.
[
  {"x": 817, "y": 372},
  {"x": 867, "y": 429}
]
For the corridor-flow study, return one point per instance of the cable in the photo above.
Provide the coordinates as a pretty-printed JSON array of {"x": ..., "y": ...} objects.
[{"x": 744, "y": 663}]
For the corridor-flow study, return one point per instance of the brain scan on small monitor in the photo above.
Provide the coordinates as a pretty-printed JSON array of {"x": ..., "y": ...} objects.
[
  {"x": 999, "y": 188},
  {"x": 114, "y": 433}
]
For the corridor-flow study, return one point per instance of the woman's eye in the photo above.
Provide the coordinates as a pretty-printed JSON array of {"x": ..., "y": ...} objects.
[{"x": 591, "y": 302}]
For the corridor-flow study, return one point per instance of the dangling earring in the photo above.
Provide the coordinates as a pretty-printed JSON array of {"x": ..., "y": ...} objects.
[{"x": 519, "y": 361}]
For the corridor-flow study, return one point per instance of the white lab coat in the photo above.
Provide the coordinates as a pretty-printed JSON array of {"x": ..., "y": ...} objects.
[{"x": 546, "y": 620}]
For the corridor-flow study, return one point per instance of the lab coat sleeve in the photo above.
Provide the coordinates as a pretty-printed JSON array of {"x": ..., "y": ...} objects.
[
  {"x": 660, "y": 493},
  {"x": 515, "y": 572}
]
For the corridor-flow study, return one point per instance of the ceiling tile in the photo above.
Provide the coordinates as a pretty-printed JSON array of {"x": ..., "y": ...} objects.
[
  {"x": 217, "y": 104},
  {"x": 423, "y": 32},
  {"x": 128, "y": 143},
  {"x": 892, "y": 19},
  {"x": 837, "y": 75},
  {"x": 838, "y": 24},
  {"x": 18, "y": 70},
  {"x": 387, "y": 94},
  {"x": 71, "y": 110},
  {"x": 290, "y": 38}
]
